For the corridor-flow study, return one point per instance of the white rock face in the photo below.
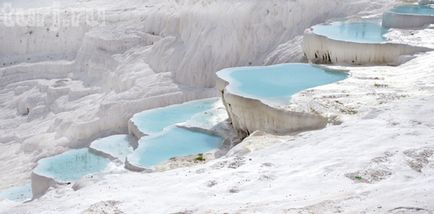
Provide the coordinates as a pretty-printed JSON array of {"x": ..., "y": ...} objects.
[
  {"x": 40, "y": 184},
  {"x": 34, "y": 44},
  {"x": 249, "y": 115},
  {"x": 246, "y": 28},
  {"x": 321, "y": 49},
  {"x": 66, "y": 86}
]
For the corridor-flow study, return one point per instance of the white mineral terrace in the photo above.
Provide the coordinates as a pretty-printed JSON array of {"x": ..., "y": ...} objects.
[
  {"x": 179, "y": 131},
  {"x": 255, "y": 96},
  {"x": 175, "y": 135},
  {"x": 355, "y": 43},
  {"x": 121, "y": 114},
  {"x": 409, "y": 16}
]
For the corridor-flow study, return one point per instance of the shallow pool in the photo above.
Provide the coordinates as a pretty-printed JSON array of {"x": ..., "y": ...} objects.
[
  {"x": 71, "y": 165},
  {"x": 155, "y": 120},
  {"x": 277, "y": 83},
  {"x": 172, "y": 142},
  {"x": 18, "y": 193},
  {"x": 362, "y": 31},
  {"x": 117, "y": 146},
  {"x": 414, "y": 9}
]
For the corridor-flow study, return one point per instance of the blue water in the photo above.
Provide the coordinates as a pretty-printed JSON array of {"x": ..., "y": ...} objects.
[
  {"x": 18, "y": 194},
  {"x": 172, "y": 142},
  {"x": 117, "y": 146},
  {"x": 362, "y": 32},
  {"x": 71, "y": 165},
  {"x": 276, "y": 84},
  {"x": 414, "y": 9},
  {"x": 155, "y": 120}
]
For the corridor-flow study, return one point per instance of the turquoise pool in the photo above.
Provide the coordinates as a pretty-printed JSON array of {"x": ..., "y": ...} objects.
[
  {"x": 277, "y": 83},
  {"x": 18, "y": 193},
  {"x": 362, "y": 32},
  {"x": 155, "y": 120},
  {"x": 414, "y": 9},
  {"x": 166, "y": 140},
  {"x": 71, "y": 165},
  {"x": 172, "y": 142}
]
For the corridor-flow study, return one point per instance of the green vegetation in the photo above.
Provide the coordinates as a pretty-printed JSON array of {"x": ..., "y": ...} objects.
[
  {"x": 378, "y": 85},
  {"x": 200, "y": 157}
]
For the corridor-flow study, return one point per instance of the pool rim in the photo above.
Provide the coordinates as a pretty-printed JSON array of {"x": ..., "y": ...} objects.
[
  {"x": 310, "y": 30},
  {"x": 60, "y": 181},
  {"x": 409, "y": 14},
  {"x": 347, "y": 72},
  {"x": 134, "y": 165}
]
